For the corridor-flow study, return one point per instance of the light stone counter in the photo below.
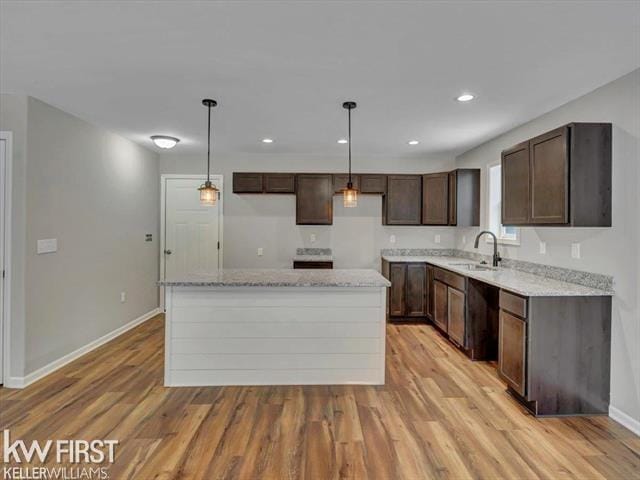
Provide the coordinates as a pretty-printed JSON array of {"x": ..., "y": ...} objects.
[
  {"x": 522, "y": 283},
  {"x": 283, "y": 278}
]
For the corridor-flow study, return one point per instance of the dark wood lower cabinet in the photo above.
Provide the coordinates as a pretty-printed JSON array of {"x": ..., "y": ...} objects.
[
  {"x": 512, "y": 349},
  {"x": 407, "y": 297},
  {"x": 440, "y": 305},
  {"x": 416, "y": 301},
  {"x": 397, "y": 291},
  {"x": 456, "y": 306}
]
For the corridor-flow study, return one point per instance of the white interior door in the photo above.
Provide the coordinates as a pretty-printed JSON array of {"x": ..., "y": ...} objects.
[{"x": 192, "y": 231}]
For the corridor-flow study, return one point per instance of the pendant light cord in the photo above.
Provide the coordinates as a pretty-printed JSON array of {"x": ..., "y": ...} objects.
[
  {"x": 349, "y": 146},
  {"x": 209, "y": 144}
]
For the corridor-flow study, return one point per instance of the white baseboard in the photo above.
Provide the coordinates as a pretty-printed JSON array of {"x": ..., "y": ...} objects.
[
  {"x": 625, "y": 420},
  {"x": 22, "y": 382}
]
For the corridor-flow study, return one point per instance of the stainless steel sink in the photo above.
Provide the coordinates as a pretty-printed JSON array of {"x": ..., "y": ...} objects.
[{"x": 474, "y": 266}]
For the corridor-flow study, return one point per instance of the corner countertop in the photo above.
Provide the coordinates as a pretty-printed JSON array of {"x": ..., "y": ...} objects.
[
  {"x": 282, "y": 278},
  {"x": 522, "y": 283}
]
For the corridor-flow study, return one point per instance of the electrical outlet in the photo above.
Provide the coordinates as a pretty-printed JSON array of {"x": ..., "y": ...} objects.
[
  {"x": 123, "y": 297},
  {"x": 392, "y": 239},
  {"x": 543, "y": 247},
  {"x": 575, "y": 250},
  {"x": 312, "y": 238},
  {"x": 260, "y": 252},
  {"x": 437, "y": 239},
  {"x": 48, "y": 245}
]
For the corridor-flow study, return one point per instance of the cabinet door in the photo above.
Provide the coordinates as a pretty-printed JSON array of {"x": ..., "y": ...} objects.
[
  {"x": 416, "y": 302},
  {"x": 512, "y": 351},
  {"x": 456, "y": 315},
  {"x": 247, "y": 182},
  {"x": 440, "y": 304},
  {"x": 549, "y": 155},
  {"x": 430, "y": 291},
  {"x": 340, "y": 181},
  {"x": 397, "y": 291},
  {"x": 373, "y": 183},
  {"x": 435, "y": 199},
  {"x": 515, "y": 185},
  {"x": 453, "y": 198},
  {"x": 279, "y": 183},
  {"x": 314, "y": 199},
  {"x": 403, "y": 201}
]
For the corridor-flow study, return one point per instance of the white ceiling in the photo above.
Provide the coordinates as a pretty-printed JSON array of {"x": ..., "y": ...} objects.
[{"x": 282, "y": 69}]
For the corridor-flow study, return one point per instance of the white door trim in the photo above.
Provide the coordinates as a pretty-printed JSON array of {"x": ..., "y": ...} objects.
[
  {"x": 6, "y": 218},
  {"x": 219, "y": 181}
]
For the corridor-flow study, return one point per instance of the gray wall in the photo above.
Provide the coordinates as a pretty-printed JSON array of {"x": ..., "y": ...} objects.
[
  {"x": 98, "y": 194},
  {"x": 268, "y": 221},
  {"x": 613, "y": 251}
]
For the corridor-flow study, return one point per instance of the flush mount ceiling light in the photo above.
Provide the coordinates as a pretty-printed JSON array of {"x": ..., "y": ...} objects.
[
  {"x": 466, "y": 97},
  {"x": 350, "y": 194},
  {"x": 208, "y": 191},
  {"x": 413, "y": 142},
  {"x": 164, "y": 141},
  {"x": 267, "y": 140},
  {"x": 342, "y": 141}
]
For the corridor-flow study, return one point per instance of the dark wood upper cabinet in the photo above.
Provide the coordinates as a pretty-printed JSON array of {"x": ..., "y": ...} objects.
[
  {"x": 402, "y": 204},
  {"x": 515, "y": 185},
  {"x": 562, "y": 177},
  {"x": 244, "y": 182},
  {"x": 373, "y": 183},
  {"x": 416, "y": 300},
  {"x": 279, "y": 183},
  {"x": 340, "y": 181},
  {"x": 435, "y": 199},
  {"x": 451, "y": 198},
  {"x": 314, "y": 199},
  {"x": 549, "y": 173}
]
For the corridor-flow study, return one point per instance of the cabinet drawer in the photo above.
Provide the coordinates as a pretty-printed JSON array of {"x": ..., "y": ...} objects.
[
  {"x": 513, "y": 303},
  {"x": 452, "y": 279}
]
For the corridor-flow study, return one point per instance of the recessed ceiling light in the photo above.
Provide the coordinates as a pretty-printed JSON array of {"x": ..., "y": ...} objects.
[
  {"x": 465, "y": 97},
  {"x": 163, "y": 141},
  {"x": 413, "y": 142},
  {"x": 267, "y": 140},
  {"x": 343, "y": 140}
]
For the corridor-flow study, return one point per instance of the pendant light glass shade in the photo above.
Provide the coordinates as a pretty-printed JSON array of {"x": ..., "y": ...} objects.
[
  {"x": 208, "y": 191},
  {"x": 208, "y": 194},
  {"x": 349, "y": 194}
]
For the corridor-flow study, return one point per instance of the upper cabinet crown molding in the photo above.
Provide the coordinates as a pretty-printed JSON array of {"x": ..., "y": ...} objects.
[{"x": 562, "y": 177}]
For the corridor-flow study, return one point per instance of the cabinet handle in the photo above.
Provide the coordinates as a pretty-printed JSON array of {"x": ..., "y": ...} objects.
[{"x": 168, "y": 252}]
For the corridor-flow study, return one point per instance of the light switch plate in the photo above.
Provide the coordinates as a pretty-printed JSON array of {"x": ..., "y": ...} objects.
[
  {"x": 437, "y": 239},
  {"x": 260, "y": 252},
  {"x": 392, "y": 239},
  {"x": 543, "y": 247},
  {"x": 47, "y": 245},
  {"x": 575, "y": 250},
  {"x": 312, "y": 238}
]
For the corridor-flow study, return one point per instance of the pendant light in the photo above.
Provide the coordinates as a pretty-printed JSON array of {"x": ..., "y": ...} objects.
[
  {"x": 208, "y": 191},
  {"x": 350, "y": 194}
]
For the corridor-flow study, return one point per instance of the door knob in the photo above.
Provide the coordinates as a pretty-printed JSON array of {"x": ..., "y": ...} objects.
[{"x": 167, "y": 252}]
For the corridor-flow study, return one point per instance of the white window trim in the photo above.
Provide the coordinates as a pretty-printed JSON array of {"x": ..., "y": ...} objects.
[{"x": 501, "y": 239}]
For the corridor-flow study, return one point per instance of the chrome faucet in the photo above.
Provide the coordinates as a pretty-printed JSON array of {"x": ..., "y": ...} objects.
[{"x": 496, "y": 257}]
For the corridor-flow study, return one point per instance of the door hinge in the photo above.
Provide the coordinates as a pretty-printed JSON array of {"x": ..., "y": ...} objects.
[{"x": 218, "y": 245}]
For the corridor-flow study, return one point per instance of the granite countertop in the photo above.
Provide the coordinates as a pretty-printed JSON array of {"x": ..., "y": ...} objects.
[
  {"x": 313, "y": 258},
  {"x": 282, "y": 278},
  {"x": 522, "y": 283}
]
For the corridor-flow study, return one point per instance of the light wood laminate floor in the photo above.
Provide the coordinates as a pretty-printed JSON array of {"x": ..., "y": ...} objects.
[{"x": 438, "y": 416}]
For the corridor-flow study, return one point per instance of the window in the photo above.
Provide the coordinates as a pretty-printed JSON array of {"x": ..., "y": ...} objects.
[{"x": 508, "y": 235}]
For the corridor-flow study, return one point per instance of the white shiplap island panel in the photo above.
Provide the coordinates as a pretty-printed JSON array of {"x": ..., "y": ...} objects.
[{"x": 274, "y": 335}]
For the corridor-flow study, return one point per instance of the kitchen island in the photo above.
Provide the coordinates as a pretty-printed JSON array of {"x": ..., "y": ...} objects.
[{"x": 276, "y": 327}]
